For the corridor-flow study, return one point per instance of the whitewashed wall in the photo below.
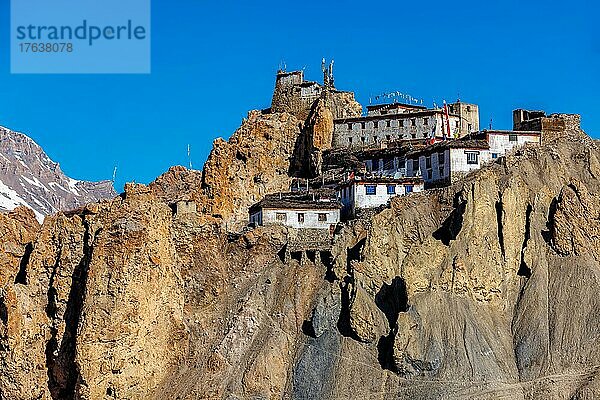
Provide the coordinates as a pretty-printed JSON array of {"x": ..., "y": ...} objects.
[
  {"x": 500, "y": 143},
  {"x": 311, "y": 218},
  {"x": 458, "y": 160},
  {"x": 355, "y": 196}
]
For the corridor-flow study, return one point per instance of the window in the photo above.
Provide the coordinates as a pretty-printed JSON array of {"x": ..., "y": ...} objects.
[
  {"x": 281, "y": 217},
  {"x": 301, "y": 218},
  {"x": 401, "y": 123},
  {"x": 322, "y": 217},
  {"x": 388, "y": 164},
  {"x": 494, "y": 155},
  {"x": 457, "y": 124},
  {"x": 362, "y": 139},
  {"x": 415, "y": 165},
  {"x": 441, "y": 171},
  {"x": 413, "y": 122},
  {"x": 370, "y": 189},
  {"x": 512, "y": 137},
  {"x": 388, "y": 138},
  {"x": 428, "y": 174},
  {"x": 425, "y": 121},
  {"x": 376, "y": 165},
  {"x": 408, "y": 188},
  {"x": 388, "y": 123},
  {"x": 350, "y": 126},
  {"x": 470, "y": 127},
  {"x": 375, "y": 124},
  {"x": 374, "y": 139},
  {"x": 391, "y": 189},
  {"x": 428, "y": 162},
  {"x": 362, "y": 125},
  {"x": 441, "y": 158},
  {"x": 468, "y": 108},
  {"x": 413, "y": 135},
  {"x": 472, "y": 157},
  {"x": 349, "y": 140}
]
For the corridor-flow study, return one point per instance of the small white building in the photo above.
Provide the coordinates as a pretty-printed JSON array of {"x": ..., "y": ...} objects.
[
  {"x": 371, "y": 192},
  {"x": 300, "y": 211},
  {"x": 502, "y": 142},
  {"x": 443, "y": 162}
]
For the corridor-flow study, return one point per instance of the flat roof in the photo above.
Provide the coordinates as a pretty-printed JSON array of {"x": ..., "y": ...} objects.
[
  {"x": 395, "y": 105},
  {"x": 451, "y": 144},
  {"x": 295, "y": 201},
  {"x": 400, "y": 148},
  {"x": 422, "y": 113},
  {"x": 366, "y": 180}
]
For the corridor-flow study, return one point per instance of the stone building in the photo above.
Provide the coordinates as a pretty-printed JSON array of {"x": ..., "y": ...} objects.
[
  {"x": 297, "y": 210},
  {"x": 360, "y": 193},
  {"x": 296, "y": 96},
  {"x": 385, "y": 123},
  {"x": 550, "y": 126}
]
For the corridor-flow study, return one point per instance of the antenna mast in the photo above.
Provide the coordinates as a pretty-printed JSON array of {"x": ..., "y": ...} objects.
[
  {"x": 114, "y": 174},
  {"x": 189, "y": 158}
]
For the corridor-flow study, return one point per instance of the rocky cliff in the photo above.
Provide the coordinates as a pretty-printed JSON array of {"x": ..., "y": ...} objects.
[
  {"x": 29, "y": 178},
  {"x": 486, "y": 289}
]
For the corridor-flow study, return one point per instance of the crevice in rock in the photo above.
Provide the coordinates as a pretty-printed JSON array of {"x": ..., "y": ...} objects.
[
  {"x": 524, "y": 269},
  {"x": 547, "y": 234},
  {"x": 296, "y": 255},
  {"x": 311, "y": 255},
  {"x": 3, "y": 312},
  {"x": 385, "y": 351},
  {"x": 347, "y": 295},
  {"x": 63, "y": 371},
  {"x": 327, "y": 261},
  {"x": 453, "y": 224},
  {"x": 308, "y": 329},
  {"x": 354, "y": 254},
  {"x": 281, "y": 253},
  {"x": 51, "y": 306},
  {"x": 21, "y": 277},
  {"x": 240, "y": 156},
  {"x": 499, "y": 214},
  {"x": 391, "y": 300},
  {"x": 3, "y": 332}
]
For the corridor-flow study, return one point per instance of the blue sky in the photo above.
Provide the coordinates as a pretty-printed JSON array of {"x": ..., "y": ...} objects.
[{"x": 214, "y": 61}]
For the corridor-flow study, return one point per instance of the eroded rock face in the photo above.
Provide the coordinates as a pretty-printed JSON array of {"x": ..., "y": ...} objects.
[
  {"x": 103, "y": 302},
  {"x": 239, "y": 172},
  {"x": 498, "y": 277}
]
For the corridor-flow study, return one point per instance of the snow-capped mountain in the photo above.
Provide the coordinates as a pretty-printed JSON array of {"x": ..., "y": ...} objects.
[{"x": 29, "y": 177}]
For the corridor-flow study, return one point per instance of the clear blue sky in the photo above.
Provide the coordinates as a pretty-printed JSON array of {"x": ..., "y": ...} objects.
[{"x": 214, "y": 61}]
